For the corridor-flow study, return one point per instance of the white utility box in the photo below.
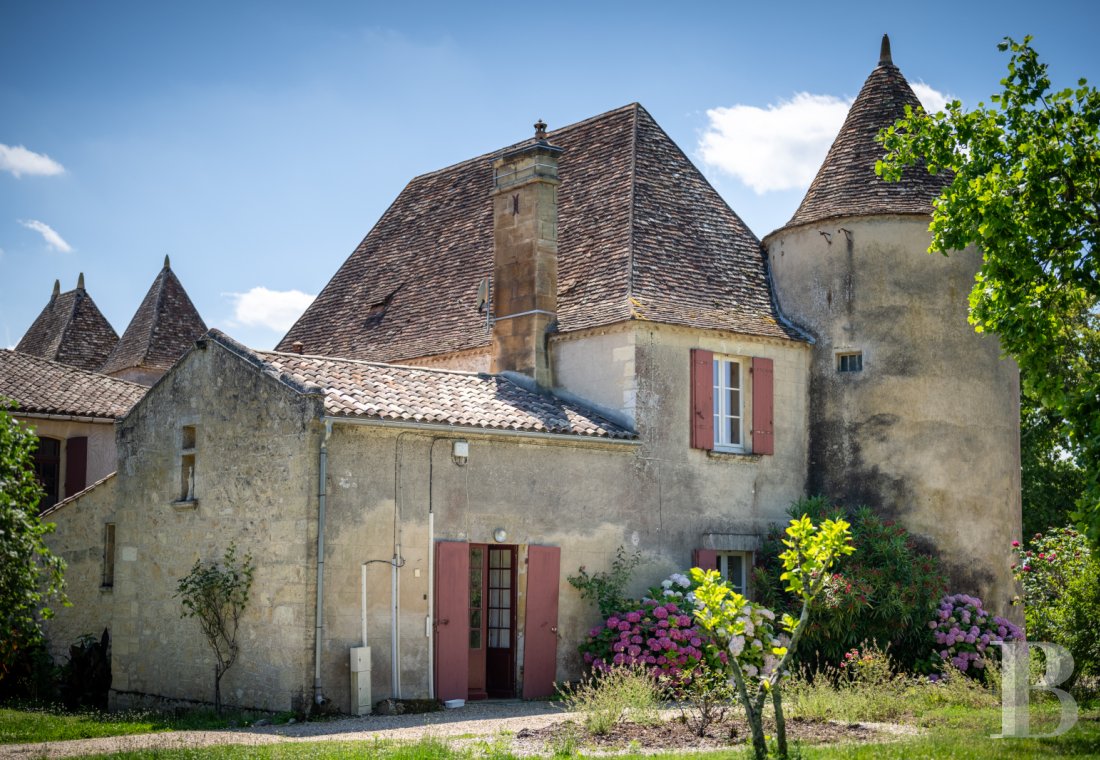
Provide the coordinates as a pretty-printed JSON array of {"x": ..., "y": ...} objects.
[{"x": 360, "y": 680}]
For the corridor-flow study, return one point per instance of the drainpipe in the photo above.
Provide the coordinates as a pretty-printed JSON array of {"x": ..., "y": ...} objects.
[{"x": 322, "y": 477}]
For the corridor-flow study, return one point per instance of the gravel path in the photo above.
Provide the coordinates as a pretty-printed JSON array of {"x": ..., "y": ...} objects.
[{"x": 484, "y": 719}]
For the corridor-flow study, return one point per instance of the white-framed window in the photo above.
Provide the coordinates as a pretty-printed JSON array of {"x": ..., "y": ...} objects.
[
  {"x": 735, "y": 567},
  {"x": 729, "y": 405},
  {"x": 849, "y": 361}
]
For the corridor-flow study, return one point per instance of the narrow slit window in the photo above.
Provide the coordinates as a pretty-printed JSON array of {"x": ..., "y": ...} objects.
[
  {"x": 187, "y": 463},
  {"x": 849, "y": 362},
  {"x": 109, "y": 555}
]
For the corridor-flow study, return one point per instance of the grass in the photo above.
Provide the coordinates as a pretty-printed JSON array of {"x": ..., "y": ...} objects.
[
  {"x": 956, "y": 720},
  {"x": 37, "y": 724}
]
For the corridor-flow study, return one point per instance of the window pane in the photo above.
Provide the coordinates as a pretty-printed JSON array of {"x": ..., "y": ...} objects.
[
  {"x": 475, "y": 638},
  {"x": 475, "y": 618}
]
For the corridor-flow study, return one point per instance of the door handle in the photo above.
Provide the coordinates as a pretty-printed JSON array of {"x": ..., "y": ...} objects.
[{"x": 444, "y": 621}]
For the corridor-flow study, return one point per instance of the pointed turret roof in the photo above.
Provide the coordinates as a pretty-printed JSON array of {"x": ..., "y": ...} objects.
[
  {"x": 164, "y": 327},
  {"x": 70, "y": 330},
  {"x": 641, "y": 236},
  {"x": 846, "y": 184}
]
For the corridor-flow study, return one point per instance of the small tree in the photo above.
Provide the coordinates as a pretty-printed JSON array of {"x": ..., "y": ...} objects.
[
  {"x": 29, "y": 573},
  {"x": 217, "y": 597},
  {"x": 758, "y": 657}
]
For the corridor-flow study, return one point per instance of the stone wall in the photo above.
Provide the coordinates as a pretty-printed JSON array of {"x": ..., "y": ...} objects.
[
  {"x": 79, "y": 539},
  {"x": 928, "y": 431},
  {"x": 255, "y": 464}
]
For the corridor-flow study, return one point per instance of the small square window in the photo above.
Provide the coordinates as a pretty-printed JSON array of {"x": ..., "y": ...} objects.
[{"x": 849, "y": 362}]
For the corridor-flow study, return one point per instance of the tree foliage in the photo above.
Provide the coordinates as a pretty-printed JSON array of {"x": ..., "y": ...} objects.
[
  {"x": 731, "y": 620},
  {"x": 1026, "y": 191},
  {"x": 216, "y": 596},
  {"x": 1051, "y": 479},
  {"x": 30, "y": 575}
]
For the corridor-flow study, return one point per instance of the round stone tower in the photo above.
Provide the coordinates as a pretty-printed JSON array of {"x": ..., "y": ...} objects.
[{"x": 911, "y": 412}]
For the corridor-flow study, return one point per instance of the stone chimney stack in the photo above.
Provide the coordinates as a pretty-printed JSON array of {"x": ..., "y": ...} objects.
[{"x": 525, "y": 257}]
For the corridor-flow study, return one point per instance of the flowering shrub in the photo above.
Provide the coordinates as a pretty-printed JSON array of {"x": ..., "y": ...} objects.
[
  {"x": 1060, "y": 577},
  {"x": 661, "y": 636},
  {"x": 963, "y": 632},
  {"x": 885, "y": 592}
]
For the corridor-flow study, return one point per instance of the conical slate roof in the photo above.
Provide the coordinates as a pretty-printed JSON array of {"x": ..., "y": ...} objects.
[
  {"x": 846, "y": 184},
  {"x": 70, "y": 330},
  {"x": 162, "y": 330},
  {"x": 641, "y": 236}
]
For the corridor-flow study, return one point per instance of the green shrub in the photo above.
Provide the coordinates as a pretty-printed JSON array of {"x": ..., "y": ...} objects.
[
  {"x": 622, "y": 693},
  {"x": 1060, "y": 577},
  {"x": 886, "y": 592},
  {"x": 608, "y": 588}
]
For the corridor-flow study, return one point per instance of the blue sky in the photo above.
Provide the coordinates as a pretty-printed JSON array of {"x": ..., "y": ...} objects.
[{"x": 256, "y": 143}]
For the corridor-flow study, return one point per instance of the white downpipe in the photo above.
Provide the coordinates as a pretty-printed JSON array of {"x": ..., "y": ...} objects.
[
  {"x": 431, "y": 604},
  {"x": 395, "y": 670},
  {"x": 318, "y": 696},
  {"x": 363, "y": 602}
]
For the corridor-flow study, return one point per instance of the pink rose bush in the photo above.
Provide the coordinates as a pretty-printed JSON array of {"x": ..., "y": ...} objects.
[{"x": 964, "y": 633}]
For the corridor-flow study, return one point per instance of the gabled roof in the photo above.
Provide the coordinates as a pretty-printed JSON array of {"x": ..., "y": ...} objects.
[
  {"x": 164, "y": 327},
  {"x": 846, "y": 184},
  {"x": 70, "y": 330},
  {"x": 641, "y": 235},
  {"x": 389, "y": 393},
  {"x": 44, "y": 387}
]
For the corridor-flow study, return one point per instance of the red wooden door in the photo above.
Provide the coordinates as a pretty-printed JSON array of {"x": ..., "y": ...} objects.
[
  {"x": 452, "y": 611},
  {"x": 540, "y": 652}
]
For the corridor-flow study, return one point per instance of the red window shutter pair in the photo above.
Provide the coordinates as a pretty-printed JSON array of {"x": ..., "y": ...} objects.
[
  {"x": 702, "y": 402},
  {"x": 76, "y": 465}
]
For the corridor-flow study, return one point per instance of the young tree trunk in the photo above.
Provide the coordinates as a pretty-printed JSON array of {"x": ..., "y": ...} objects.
[
  {"x": 780, "y": 724},
  {"x": 218, "y": 672}
]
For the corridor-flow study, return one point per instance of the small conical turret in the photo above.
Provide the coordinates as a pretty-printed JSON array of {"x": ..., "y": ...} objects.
[
  {"x": 167, "y": 263},
  {"x": 56, "y": 289},
  {"x": 884, "y": 57},
  {"x": 80, "y": 282}
]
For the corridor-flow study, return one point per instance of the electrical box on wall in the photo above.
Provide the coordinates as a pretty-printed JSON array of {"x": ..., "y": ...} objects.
[{"x": 360, "y": 681}]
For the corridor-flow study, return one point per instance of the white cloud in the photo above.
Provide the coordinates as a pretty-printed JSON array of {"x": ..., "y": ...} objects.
[
  {"x": 932, "y": 99},
  {"x": 19, "y": 161},
  {"x": 775, "y": 148},
  {"x": 53, "y": 240},
  {"x": 274, "y": 309}
]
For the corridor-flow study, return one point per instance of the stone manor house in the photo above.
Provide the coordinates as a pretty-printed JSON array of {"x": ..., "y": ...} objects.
[{"x": 537, "y": 356}]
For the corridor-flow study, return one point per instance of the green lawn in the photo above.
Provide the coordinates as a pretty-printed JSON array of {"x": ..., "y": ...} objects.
[{"x": 35, "y": 725}]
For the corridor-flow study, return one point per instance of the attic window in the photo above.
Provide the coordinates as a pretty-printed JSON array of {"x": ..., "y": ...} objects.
[
  {"x": 851, "y": 361},
  {"x": 376, "y": 311}
]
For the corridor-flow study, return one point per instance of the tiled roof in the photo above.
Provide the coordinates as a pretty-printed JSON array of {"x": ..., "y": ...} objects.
[
  {"x": 44, "y": 387},
  {"x": 641, "y": 235},
  {"x": 70, "y": 330},
  {"x": 164, "y": 327},
  {"x": 846, "y": 184},
  {"x": 390, "y": 393}
]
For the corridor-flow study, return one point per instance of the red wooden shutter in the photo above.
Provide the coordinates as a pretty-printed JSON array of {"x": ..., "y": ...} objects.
[
  {"x": 763, "y": 395},
  {"x": 702, "y": 399},
  {"x": 704, "y": 559},
  {"x": 452, "y": 619},
  {"x": 540, "y": 643},
  {"x": 76, "y": 465}
]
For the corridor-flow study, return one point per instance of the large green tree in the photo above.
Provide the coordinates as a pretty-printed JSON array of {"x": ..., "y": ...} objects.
[
  {"x": 1026, "y": 191},
  {"x": 29, "y": 573}
]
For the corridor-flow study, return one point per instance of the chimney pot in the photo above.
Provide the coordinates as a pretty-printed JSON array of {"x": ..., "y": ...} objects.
[
  {"x": 297, "y": 347},
  {"x": 540, "y": 130}
]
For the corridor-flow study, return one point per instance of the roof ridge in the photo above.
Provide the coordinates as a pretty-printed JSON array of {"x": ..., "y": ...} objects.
[
  {"x": 633, "y": 201},
  {"x": 391, "y": 365},
  {"x": 549, "y": 136},
  {"x": 160, "y": 280},
  {"x": 68, "y": 323}
]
